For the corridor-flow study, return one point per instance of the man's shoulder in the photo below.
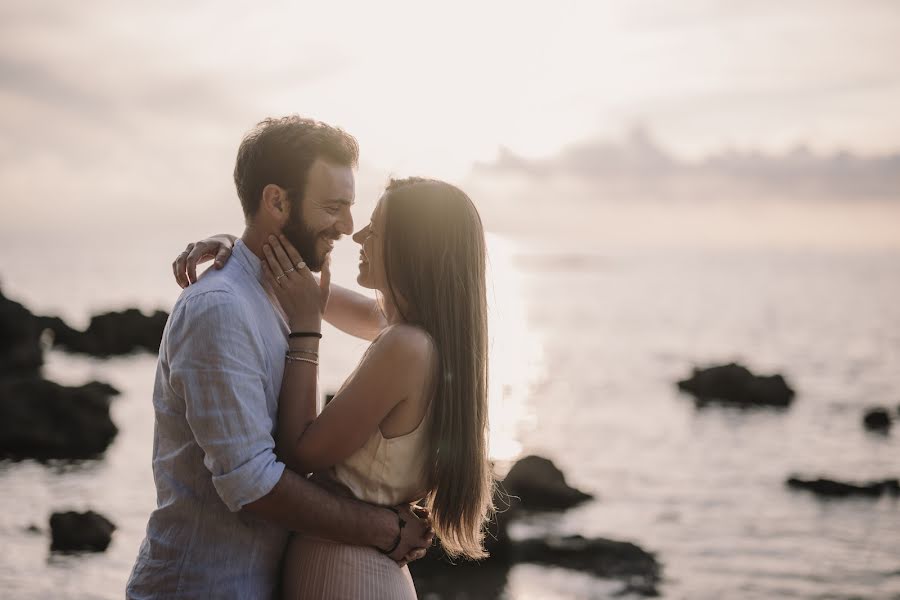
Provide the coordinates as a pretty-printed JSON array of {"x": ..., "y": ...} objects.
[
  {"x": 219, "y": 285},
  {"x": 221, "y": 291}
]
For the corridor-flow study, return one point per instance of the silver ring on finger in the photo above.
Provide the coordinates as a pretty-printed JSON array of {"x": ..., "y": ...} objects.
[
  {"x": 280, "y": 277},
  {"x": 300, "y": 265},
  {"x": 291, "y": 270}
]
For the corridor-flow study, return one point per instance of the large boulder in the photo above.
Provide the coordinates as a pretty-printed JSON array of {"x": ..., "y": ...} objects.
[
  {"x": 734, "y": 383},
  {"x": 42, "y": 419},
  {"x": 877, "y": 419},
  {"x": 20, "y": 348},
  {"x": 73, "y": 531},
  {"x": 829, "y": 488},
  {"x": 536, "y": 483},
  {"x": 112, "y": 333}
]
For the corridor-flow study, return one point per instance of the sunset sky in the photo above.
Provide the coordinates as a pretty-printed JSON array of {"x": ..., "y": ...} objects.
[{"x": 133, "y": 111}]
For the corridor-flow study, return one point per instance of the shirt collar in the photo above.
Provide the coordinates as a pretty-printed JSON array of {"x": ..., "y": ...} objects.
[{"x": 249, "y": 261}]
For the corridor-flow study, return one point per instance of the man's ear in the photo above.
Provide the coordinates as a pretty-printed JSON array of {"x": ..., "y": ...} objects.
[{"x": 275, "y": 203}]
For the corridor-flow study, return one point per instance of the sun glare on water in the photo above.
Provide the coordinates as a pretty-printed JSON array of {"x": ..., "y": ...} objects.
[{"x": 516, "y": 362}]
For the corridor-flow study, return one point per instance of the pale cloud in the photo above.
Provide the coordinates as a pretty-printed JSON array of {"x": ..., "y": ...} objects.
[
  {"x": 634, "y": 192},
  {"x": 641, "y": 166},
  {"x": 133, "y": 111}
]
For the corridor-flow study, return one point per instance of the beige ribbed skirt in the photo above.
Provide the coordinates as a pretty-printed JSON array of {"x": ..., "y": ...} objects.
[{"x": 317, "y": 569}]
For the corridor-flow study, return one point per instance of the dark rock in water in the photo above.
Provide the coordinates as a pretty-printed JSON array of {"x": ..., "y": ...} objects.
[
  {"x": 600, "y": 557},
  {"x": 62, "y": 333},
  {"x": 108, "y": 334},
  {"x": 20, "y": 348},
  {"x": 597, "y": 556},
  {"x": 74, "y": 531},
  {"x": 736, "y": 384},
  {"x": 438, "y": 574},
  {"x": 540, "y": 485},
  {"x": 112, "y": 333},
  {"x": 877, "y": 419},
  {"x": 41, "y": 419},
  {"x": 838, "y": 489}
]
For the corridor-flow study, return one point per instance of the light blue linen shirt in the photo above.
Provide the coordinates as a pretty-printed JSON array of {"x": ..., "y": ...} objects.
[{"x": 219, "y": 373}]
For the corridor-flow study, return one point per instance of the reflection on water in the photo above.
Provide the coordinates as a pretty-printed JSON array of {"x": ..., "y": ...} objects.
[
  {"x": 516, "y": 364},
  {"x": 584, "y": 355}
]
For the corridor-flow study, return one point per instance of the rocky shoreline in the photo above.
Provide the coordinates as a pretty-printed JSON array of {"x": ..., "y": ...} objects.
[{"x": 42, "y": 419}]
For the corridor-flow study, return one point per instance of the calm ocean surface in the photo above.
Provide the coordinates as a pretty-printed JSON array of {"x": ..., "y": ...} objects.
[{"x": 587, "y": 346}]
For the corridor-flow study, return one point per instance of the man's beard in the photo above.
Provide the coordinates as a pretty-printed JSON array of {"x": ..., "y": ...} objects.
[{"x": 304, "y": 240}]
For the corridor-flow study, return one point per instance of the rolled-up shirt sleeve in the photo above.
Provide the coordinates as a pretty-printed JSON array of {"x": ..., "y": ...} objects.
[{"x": 216, "y": 366}]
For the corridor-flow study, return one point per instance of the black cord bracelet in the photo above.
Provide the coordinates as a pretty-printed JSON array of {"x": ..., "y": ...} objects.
[
  {"x": 400, "y": 525},
  {"x": 305, "y": 334}
]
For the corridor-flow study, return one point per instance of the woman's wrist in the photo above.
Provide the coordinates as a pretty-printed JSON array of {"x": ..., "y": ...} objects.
[
  {"x": 303, "y": 345},
  {"x": 306, "y": 324}
]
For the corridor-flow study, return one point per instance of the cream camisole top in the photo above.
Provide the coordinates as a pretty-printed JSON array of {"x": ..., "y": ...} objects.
[{"x": 387, "y": 471}]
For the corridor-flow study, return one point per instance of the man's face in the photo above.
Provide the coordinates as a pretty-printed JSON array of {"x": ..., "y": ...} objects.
[{"x": 323, "y": 215}]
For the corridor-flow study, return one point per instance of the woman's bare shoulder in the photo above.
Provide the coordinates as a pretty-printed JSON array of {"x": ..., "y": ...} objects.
[{"x": 406, "y": 341}]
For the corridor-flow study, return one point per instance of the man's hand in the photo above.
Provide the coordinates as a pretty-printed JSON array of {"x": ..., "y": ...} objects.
[{"x": 416, "y": 536}]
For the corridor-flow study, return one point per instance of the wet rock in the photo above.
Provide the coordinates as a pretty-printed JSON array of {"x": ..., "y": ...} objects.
[
  {"x": 112, "y": 333},
  {"x": 437, "y": 574},
  {"x": 540, "y": 485},
  {"x": 877, "y": 419},
  {"x": 42, "y": 419},
  {"x": 597, "y": 556},
  {"x": 734, "y": 383},
  {"x": 74, "y": 531},
  {"x": 603, "y": 558},
  {"x": 20, "y": 348},
  {"x": 837, "y": 489},
  {"x": 62, "y": 333}
]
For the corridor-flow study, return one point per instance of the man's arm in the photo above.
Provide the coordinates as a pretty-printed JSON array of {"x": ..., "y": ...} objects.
[
  {"x": 300, "y": 505},
  {"x": 216, "y": 367}
]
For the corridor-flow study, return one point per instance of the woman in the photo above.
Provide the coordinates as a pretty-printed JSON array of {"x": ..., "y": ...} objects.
[{"x": 410, "y": 422}]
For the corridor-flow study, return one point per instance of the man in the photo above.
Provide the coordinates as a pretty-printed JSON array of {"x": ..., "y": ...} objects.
[{"x": 225, "y": 503}]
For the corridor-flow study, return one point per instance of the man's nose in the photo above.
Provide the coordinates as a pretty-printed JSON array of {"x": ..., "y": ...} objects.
[{"x": 345, "y": 223}]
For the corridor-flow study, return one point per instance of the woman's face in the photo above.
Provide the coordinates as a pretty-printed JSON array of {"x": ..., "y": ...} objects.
[{"x": 371, "y": 256}]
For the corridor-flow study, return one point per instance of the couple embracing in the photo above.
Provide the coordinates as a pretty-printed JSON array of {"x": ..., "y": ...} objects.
[{"x": 260, "y": 495}]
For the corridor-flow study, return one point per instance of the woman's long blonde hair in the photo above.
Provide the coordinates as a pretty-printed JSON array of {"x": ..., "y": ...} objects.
[{"x": 434, "y": 258}]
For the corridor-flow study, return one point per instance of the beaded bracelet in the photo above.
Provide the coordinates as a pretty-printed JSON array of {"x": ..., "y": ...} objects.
[{"x": 301, "y": 359}]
